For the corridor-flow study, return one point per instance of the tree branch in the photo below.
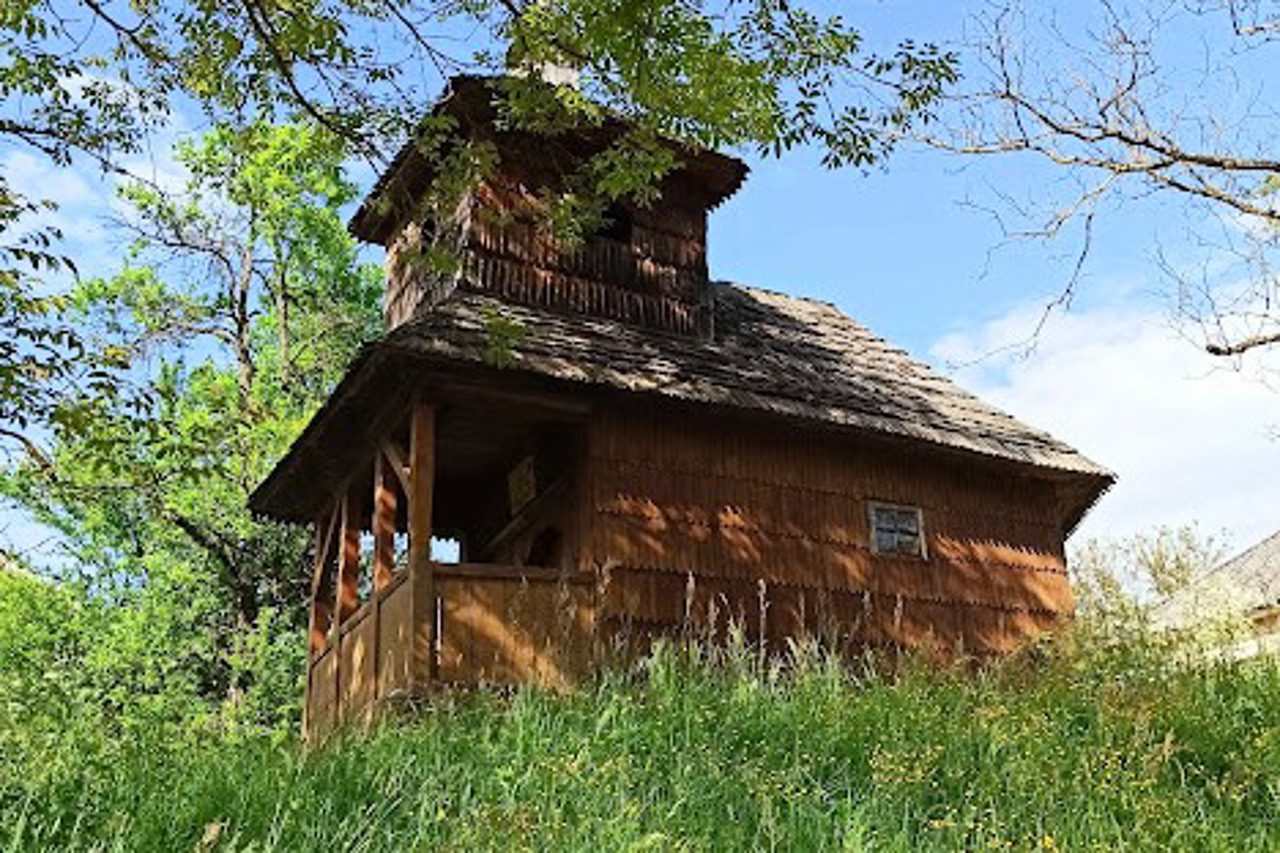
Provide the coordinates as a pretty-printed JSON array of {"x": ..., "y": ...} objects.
[{"x": 1243, "y": 346}]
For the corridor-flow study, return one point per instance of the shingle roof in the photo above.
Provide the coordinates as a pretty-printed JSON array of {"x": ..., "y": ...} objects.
[
  {"x": 1247, "y": 582},
  {"x": 770, "y": 352},
  {"x": 471, "y": 99}
]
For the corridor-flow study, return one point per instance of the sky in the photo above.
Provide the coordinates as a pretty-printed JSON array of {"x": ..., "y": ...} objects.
[
  {"x": 1191, "y": 441},
  {"x": 909, "y": 252}
]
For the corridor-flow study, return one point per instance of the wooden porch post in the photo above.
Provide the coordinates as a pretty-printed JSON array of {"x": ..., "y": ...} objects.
[
  {"x": 422, "y": 571},
  {"x": 321, "y": 613},
  {"x": 346, "y": 590},
  {"x": 384, "y": 521},
  {"x": 317, "y": 619},
  {"x": 348, "y": 595},
  {"x": 384, "y": 556}
]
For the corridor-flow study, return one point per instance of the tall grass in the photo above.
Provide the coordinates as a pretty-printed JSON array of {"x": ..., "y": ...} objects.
[{"x": 710, "y": 750}]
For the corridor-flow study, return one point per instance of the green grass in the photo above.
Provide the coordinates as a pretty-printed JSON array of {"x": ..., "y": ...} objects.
[{"x": 695, "y": 754}]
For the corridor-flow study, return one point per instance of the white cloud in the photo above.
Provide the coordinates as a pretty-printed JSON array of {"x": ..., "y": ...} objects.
[
  {"x": 1188, "y": 441},
  {"x": 38, "y": 178},
  {"x": 79, "y": 200}
]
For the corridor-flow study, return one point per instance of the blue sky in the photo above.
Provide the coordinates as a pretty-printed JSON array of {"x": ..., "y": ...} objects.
[{"x": 908, "y": 253}]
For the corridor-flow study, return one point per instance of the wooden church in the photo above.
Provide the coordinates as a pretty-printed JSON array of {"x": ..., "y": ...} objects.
[{"x": 623, "y": 446}]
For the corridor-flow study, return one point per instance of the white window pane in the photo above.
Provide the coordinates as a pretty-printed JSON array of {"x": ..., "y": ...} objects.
[{"x": 882, "y": 518}]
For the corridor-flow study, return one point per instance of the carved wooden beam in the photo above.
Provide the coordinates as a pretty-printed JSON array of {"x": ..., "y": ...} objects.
[{"x": 399, "y": 465}]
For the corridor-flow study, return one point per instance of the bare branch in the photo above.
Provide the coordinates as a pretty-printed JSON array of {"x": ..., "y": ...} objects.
[
  {"x": 1240, "y": 347},
  {"x": 1112, "y": 108}
]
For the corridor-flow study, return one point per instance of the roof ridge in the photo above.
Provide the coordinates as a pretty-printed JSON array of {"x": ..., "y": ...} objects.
[
  {"x": 752, "y": 288},
  {"x": 825, "y": 373},
  {"x": 1243, "y": 557},
  {"x": 885, "y": 345}
]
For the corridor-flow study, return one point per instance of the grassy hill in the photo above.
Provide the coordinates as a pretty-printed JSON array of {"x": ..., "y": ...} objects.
[{"x": 692, "y": 753}]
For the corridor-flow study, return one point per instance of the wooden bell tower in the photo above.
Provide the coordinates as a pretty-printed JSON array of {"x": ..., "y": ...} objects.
[{"x": 646, "y": 266}]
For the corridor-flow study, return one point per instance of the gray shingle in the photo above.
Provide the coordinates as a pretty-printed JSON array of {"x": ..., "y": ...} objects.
[{"x": 770, "y": 352}]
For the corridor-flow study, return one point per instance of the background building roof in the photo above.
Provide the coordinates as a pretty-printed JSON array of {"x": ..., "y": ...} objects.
[{"x": 1248, "y": 582}]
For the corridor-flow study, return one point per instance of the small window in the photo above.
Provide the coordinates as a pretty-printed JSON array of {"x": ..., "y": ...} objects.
[
  {"x": 617, "y": 223},
  {"x": 897, "y": 530}
]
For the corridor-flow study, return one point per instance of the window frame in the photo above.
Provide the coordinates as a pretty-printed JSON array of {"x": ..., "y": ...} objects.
[{"x": 922, "y": 553}]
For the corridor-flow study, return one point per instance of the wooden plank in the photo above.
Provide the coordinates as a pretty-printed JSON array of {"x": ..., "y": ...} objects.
[
  {"x": 346, "y": 592},
  {"x": 324, "y": 544},
  {"x": 525, "y": 516},
  {"x": 320, "y": 718},
  {"x": 383, "y": 523},
  {"x": 395, "y": 456},
  {"x": 494, "y": 571},
  {"x": 505, "y": 631},
  {"x": 422, "y": 429},
  {"x": 319, "y": 615},
  {"x": 358, "y": 674},
  {"x": 395, "y": 640}
]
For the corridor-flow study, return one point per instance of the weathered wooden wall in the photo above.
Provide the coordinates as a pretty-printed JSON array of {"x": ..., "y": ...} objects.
[
  {"x": 674, "y": 522},
  {"x": 410, "y": 279},
  {"x": 756, "y": 515},
  {"x": 655, "y": 275},
  {"x": 501, "y": 625}
]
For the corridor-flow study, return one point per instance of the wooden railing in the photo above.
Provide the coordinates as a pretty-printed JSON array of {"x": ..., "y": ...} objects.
[
  {"x": 493, "y": 625},
  {"x": 506, "y": 625}
]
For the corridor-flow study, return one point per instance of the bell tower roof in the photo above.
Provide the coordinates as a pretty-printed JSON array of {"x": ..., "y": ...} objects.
[{"x": 709, "y": 176}]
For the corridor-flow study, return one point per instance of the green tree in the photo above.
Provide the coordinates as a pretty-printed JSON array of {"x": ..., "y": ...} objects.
[
  {"x": 98, "y": 73},
  {"x": 90, "y": 79},
  {"x": 238, "y": 308}
]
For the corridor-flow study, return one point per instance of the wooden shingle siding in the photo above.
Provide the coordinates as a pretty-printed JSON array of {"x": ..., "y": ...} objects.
[{"x": 792, "y": 514}]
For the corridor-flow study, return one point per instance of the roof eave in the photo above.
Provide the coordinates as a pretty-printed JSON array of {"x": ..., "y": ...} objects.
[
  {"x": 371, "y": 225},
  {"x": 267, "y": 499}
]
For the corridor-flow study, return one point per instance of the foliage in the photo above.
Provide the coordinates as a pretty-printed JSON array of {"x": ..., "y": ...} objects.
[
  {"x": 713, "y": 751},
  {"x": 92, "y": 80},
  {"x": 1141, "y": 571},
  {"x": 41, "y": 358},
  {"x": 80, "y": 666},
  {"x": 502, "y": 336},
  {"x": 768, "y": 74},
  {"x": 764, "y": 72},
  {"x": 237, "y": 309},
  {"x": 1127, "y": 591}
]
